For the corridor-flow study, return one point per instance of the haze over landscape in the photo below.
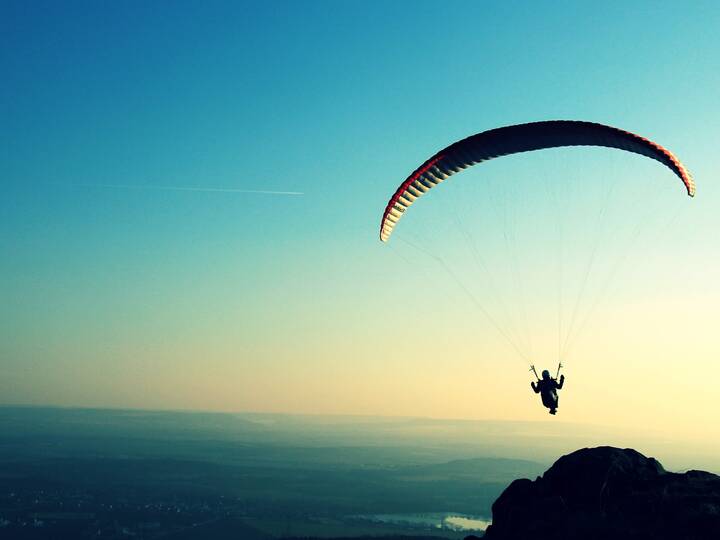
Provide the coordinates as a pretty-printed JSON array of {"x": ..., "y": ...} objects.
[{"x": 192, "y": 195}]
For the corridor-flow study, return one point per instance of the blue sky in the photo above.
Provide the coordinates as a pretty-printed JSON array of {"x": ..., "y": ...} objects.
[{"x": 188, "y": 299}]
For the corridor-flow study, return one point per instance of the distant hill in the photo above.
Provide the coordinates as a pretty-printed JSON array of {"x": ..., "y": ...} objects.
[
  {"x": 69, "y": 421},
  {"x": 480, "y": 469}
]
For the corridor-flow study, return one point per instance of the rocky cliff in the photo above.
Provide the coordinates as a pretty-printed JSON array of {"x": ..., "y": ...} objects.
[{"x": 611, "y": 494}]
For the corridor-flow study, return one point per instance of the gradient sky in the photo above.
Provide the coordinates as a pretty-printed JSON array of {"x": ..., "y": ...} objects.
[{"x": 119, "y": 296}]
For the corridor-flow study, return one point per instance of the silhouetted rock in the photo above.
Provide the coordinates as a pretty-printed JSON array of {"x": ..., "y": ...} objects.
[{"x": 610, "y": 494}]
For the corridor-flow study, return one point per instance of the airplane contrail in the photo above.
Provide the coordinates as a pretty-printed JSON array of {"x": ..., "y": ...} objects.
[{"x": 190, "y": 188}]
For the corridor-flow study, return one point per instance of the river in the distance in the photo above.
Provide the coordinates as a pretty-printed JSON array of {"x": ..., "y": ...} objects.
[{"x": 439, "y": 520}]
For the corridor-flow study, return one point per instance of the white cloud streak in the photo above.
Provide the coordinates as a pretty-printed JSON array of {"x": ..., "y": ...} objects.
[{"x": 191, "y": 188}]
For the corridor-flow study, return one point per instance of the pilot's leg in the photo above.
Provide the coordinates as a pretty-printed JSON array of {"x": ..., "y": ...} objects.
[{"x": 553, "y": 408}]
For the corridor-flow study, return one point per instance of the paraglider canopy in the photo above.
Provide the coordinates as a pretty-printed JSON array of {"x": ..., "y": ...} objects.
[{"x": 520, "y": 138}]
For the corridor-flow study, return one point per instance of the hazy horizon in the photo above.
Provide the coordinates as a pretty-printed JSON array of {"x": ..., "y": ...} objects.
[{"x": 542, "y": 441}]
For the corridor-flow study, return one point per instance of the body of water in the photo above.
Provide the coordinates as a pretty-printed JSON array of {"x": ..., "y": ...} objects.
[{"x": 439, "y": 520}]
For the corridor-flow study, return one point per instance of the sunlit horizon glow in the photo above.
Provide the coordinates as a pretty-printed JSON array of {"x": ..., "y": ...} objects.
[{"x": 160, "y": 289}]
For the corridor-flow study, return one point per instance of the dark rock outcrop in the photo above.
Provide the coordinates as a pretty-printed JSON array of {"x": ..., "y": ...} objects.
[{"x": 610, "y": 494}]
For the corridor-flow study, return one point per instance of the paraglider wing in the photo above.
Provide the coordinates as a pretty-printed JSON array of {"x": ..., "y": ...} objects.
[{"x": 520, "y": 138}]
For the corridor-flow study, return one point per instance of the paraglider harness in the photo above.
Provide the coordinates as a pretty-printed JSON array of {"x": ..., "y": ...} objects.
[{"x": 549, "y": 395}]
